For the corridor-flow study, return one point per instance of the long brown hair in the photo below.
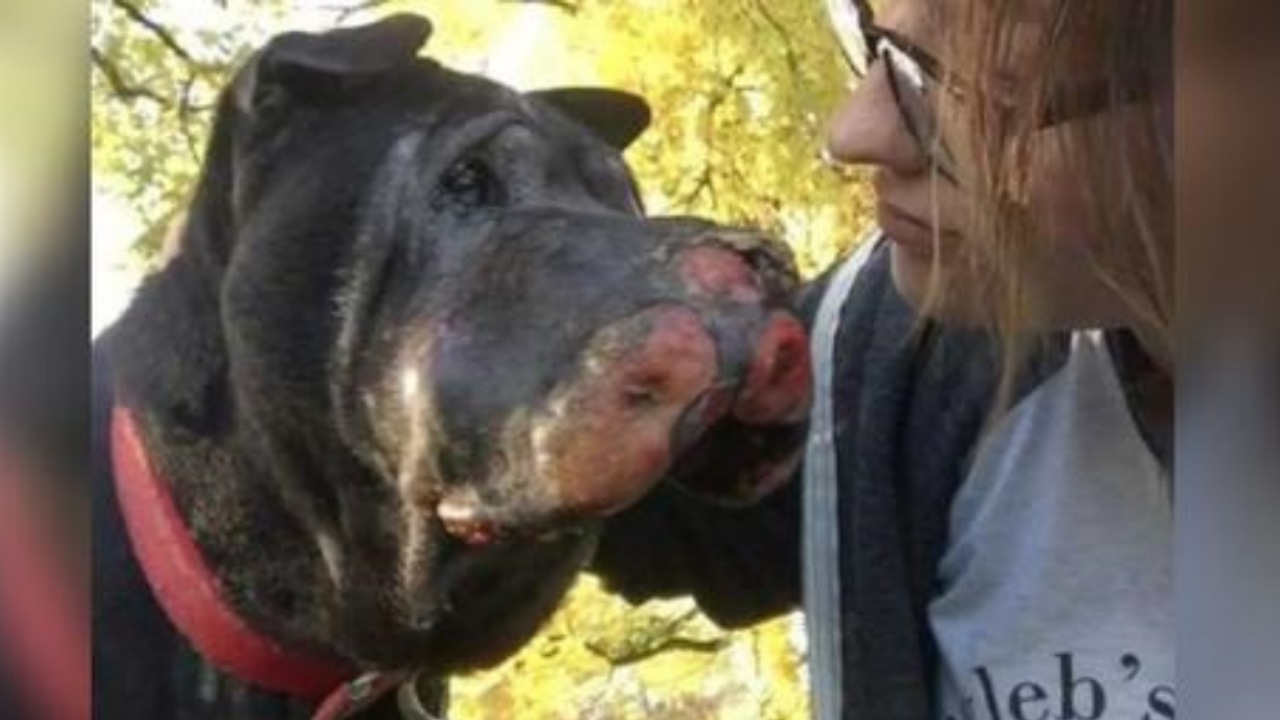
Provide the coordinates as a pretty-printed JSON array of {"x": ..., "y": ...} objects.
[{"x": 1120, "y": 156}]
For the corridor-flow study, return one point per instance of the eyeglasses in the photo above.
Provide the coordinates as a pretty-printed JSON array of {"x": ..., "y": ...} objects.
[{"x": 915, "y": 76}]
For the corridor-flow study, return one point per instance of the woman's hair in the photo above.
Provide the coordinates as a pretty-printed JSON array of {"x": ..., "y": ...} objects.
[{"x": 1120, "y": 158}]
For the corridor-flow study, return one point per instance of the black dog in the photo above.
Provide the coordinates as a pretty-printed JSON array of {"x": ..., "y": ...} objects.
[{"x": 416, "y": 342}]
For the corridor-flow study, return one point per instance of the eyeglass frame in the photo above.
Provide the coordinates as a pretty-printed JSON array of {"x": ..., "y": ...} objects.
[{"x": 906, "y": 60}]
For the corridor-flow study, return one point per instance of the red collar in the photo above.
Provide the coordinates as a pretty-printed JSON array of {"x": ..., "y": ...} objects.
[{"x": 189, "y": 591}]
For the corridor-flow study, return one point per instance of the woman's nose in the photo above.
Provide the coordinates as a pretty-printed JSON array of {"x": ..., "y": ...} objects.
[{"x": 868, "y": 128}]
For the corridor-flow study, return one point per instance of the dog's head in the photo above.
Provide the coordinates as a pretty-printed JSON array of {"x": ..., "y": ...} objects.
[{"x": 436, "y": 307}]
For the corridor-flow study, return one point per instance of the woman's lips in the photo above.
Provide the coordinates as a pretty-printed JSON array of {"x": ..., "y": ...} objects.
[{"x": 909, "y": 232}]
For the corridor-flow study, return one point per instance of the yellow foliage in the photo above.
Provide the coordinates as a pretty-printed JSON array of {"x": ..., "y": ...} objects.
[{"x": 600, "y": 658}]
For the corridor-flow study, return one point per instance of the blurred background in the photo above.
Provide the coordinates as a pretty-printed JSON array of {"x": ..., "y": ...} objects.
[
  {"x": 740, "y": 91},
  {"x": 44, "y": 314},
  {"x": 42, "y": 84}
]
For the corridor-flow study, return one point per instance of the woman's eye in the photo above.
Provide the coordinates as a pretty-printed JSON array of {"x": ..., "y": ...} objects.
[{"x": 469, "y": 183}]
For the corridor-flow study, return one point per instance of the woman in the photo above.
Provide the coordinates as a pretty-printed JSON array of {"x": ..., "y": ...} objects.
[
  {"x": 984, "y": 524},
  {"x": 1053, "y": 214}
]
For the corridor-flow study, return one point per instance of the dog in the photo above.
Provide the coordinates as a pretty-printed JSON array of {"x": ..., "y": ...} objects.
[{"x": 416, "y": 342}]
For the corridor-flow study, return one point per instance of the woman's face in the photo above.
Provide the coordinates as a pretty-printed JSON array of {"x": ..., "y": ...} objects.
[{"x": 925, "y": 216}]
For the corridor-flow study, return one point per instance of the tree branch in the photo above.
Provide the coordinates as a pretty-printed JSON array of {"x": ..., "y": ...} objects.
[
  {"x": 121, "y": 87},
  {"x": 161, "y": 33},
  {"x": 704, "y": 184},
  {"x": 706, "y": 179},
  {"x": 645, "y": 652},
  {"x": 568, "y": 7},
  {"x": 185, "y": 111},
  {"x": 347, "y": 11},
  {"x": 788, "y": 48}
]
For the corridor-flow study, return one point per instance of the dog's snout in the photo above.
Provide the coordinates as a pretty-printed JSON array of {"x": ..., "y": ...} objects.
[
  {"x": 770, "y": 260},
  {"x": 716, "y": 272}
]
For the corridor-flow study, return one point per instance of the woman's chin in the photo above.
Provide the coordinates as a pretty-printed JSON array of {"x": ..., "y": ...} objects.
[
  {"x": 912, "y": 274},
  {"x": 913, "y": 277}
]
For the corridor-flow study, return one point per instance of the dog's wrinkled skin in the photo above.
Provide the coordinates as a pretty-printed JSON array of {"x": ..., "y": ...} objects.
[{"x": 417, "y": 341}]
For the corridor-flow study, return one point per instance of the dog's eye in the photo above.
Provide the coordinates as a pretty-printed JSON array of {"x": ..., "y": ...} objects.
[{"x": 469, "y": 183}]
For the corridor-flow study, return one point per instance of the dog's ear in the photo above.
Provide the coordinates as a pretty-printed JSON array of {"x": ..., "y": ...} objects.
[
  {"x": 313, "y": 66},
  {"x": 615, "y": 116}
]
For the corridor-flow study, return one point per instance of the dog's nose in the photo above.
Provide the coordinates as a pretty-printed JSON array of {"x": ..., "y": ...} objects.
[
  {"x": 604, "y": 438},
  {"x": 610, "y": 436},
  {"x": 778, "y": 385}
]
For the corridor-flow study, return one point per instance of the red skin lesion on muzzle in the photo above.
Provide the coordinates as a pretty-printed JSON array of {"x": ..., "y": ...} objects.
[
  {"x": 778, "y": 385},
  {"x": 608, "y": 440},
  {"x": 717, "y": 272},
  {"x": 776, "y": 389},
  {"x": 604, "y": 438}
]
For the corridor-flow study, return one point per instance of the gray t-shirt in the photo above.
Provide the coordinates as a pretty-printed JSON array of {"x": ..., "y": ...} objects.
[{"x": 1056, "y": 590}]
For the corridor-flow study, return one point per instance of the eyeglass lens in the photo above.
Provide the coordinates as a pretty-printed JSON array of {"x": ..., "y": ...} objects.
[{"x": 862, "y": 46}]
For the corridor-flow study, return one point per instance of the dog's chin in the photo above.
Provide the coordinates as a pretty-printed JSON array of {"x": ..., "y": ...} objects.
[{"x": 485, "y": 603}]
